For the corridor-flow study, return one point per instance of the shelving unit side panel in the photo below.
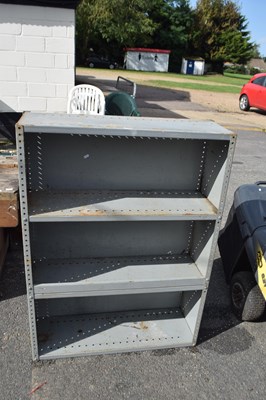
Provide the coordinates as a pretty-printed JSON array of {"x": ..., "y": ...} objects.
[
  {"x": 216, "y": 172},
  {"x": 201, "y": 245},
  {"x": 22, "y": 175}
]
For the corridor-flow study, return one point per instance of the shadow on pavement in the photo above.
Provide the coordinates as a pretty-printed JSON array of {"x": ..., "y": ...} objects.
[
  {"x": 12, "y": 279},
  {"x": 151, "y": 101},
  {"x": 217, "y": 315},
  {"x": 257, "y": 111}
]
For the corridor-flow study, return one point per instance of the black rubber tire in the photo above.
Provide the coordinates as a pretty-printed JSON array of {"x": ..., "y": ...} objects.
[
  {"x": 244, "y": 103},
  {"x": 91, "y": 65},
  {"x": 247, "y": 301}
]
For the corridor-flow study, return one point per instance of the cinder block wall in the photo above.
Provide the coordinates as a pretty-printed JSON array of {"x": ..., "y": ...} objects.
[{"x": 37, "y": 66}]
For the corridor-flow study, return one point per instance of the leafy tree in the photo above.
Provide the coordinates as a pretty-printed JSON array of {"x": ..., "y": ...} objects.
[
  {"x": 112, "y": 25},
  {"x": 256, "y": 51},
  {"x": 173, "y": 24},
  {"x": 220, "y": 33},
  {"x": 83, "y": 31}
]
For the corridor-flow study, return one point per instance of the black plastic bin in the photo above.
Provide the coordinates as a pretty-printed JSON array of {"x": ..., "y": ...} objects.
[{"x": 242, "y": 245}]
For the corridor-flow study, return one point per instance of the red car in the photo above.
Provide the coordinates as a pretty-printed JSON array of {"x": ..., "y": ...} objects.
[{"x": 253, "y": 93}]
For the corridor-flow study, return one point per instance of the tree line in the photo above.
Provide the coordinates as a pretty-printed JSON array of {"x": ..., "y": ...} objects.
[{"x": 215, "y": 30}]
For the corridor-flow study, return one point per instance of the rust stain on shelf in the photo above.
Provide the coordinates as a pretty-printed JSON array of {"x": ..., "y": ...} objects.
[{"x": 143, "y": 326}]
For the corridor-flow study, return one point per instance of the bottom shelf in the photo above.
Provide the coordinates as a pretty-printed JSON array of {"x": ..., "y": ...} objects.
[{"x": 78, "y": 335}]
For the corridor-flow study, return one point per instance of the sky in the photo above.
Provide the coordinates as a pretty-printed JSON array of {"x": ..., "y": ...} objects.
[{"x": 254, "y": 11}]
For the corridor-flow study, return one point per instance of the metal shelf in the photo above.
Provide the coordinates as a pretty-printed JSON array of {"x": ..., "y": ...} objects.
[
  {"x": 118, "y": 205},
  {"x": 104, "y": 276},
  {"x": 99, "y": 193},
  {"x": 80, "y": 335}
]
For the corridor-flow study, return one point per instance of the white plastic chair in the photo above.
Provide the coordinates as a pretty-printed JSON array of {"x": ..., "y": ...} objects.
[{"x": 86, "y": 99}]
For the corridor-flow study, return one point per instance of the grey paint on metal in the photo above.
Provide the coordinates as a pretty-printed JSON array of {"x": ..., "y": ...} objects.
[
  {"x": 190, "y": 305},
  {"x": 122, "y": 126},
  {"x": 107, "y": 304},
  {"x": 26, "y": 238},
  {"x": 125, "y": 83},
  {"x": 109, "y": 239},
  {"x": 121, "y": 221},
  {"x": 115, "y": 275},
  {"x": 118, "y": 205},
  {"x": 149, "y": 164},
  {"x": 112, "y": 333},
  {"x": 118, "y": 324}
]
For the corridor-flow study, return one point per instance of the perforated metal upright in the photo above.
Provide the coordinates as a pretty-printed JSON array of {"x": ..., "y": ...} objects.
[{"x": 120, "y": 220}]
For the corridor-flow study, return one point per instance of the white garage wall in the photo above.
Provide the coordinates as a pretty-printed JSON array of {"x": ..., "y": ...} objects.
[{"x": 37, "y": 65}]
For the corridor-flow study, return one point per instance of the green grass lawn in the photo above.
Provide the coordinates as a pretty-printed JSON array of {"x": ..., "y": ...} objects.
[
  {"x": 193, "y": 85},
  {"x": 227, "y": 77},
  {"x": 227, "y": 83}
]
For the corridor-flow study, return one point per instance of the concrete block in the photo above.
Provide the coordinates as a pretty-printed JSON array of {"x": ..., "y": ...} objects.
[
  {"x": 13, "y": 89},
  {"x": 8, "y": 73},
  {"x": 31, "y": 44},
  {"x": 56, "y": 105},
  {"x": 40, "y": 60},
  {"x": 41, "y": 90},
  {"x": 71, "y": 31},
  {"x": 59, "y": 31},
  {"x": 10, "y": 28},
  {"x": 32, "y": 104},
  {"x": 71, "y": 61},
  {"x": 61, "y": 61},
  {"x": 62, "y": 91},
  {"x": 7, "y": 42},
  {"x": 12, "y": 58},
  {"x": 60, "y": 45},
  {"x": 31, "y": 74},
  {"x": 60, "y": 76},
  {"x": 41, "y": 30}
]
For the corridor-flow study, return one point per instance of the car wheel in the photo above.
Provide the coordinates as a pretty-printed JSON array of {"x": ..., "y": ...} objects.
[
  {"x": 111, "y": 66},
  {"x": 91, "y": 65},
  {"x": 244, "y": 103},
  {"x": 247, "y": 301}
]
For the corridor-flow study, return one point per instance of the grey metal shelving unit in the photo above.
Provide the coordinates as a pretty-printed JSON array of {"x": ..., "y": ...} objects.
[{"x": 120, "y": 218}]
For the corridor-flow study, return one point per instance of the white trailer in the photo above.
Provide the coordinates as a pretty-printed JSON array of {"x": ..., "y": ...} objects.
[{"x": 141, "y": 59}]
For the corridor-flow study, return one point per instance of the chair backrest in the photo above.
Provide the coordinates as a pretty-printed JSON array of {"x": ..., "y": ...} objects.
[
  {"x": 121, "y": 103},
  {"x": 86, "y": 99}
]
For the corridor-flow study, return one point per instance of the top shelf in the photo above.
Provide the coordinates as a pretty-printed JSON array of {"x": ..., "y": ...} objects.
[
  {"x": 122, "y": 126},
  {"x": 107, "y": 205}
]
